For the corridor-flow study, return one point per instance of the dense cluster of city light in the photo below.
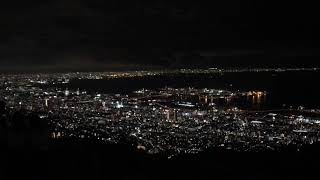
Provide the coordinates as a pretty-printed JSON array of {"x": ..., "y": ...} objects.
[
  {"x": 54, "y": 78},
  {"x": 164, "y": 120}
]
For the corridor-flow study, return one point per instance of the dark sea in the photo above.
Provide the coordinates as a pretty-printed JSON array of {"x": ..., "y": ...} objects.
[{"x": 284, "y": 89}]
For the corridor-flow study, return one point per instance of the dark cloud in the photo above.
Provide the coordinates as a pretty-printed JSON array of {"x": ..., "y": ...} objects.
[{"x": 97, "y": 31}]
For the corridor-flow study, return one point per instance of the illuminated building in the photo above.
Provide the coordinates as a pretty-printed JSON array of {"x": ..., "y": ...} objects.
[
  {"x": 171, "y": 115},
  {"x": 46, "y": 102},
  {"x": 67, "y": 92}
]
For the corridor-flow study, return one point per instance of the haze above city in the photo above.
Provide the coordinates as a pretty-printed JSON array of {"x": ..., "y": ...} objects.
[{"x": 98, "y": 35}]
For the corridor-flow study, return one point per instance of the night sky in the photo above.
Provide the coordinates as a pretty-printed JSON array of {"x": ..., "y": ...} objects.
[{"x": 91, "y": 34}]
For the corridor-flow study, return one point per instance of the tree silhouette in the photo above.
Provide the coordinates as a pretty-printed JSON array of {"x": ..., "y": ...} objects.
[{"x": 2, "y": 107}]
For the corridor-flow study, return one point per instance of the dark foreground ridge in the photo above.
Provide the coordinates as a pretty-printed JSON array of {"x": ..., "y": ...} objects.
[
  {"x": 89, "y": 160},
  {"x": 28, "y": 156}
]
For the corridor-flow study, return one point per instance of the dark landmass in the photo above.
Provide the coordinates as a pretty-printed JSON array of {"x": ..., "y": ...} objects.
[
  {"x": 24, "y": 145},
  {"x": 74, "y": 159},
  {"x": 95, "y": 161}
]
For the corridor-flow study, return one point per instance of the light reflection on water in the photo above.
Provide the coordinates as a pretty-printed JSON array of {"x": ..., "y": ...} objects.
[{"x": 255, "y": 100}]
